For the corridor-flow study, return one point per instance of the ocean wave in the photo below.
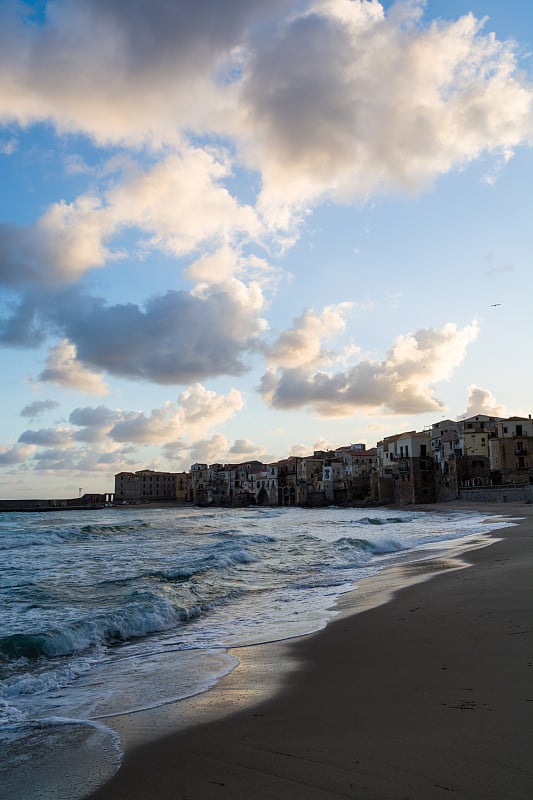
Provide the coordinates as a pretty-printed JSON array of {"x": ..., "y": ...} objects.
[
  {"x": 142, "y": 613},
  {"x": 47, "y": 536},
  {"x": 214, "y": 559},
  {"x": 33, "y": 683},
  {"x": 349, "y": 551},
  {"x": 132, "y": 525}
]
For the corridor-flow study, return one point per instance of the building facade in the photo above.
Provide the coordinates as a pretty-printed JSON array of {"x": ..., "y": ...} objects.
[
  {"x": 147, "y": 485},
  {"x": 510, "y": 452}
]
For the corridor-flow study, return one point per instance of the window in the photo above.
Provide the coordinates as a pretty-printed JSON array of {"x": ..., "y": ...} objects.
[{"x": 518, "y": 430}]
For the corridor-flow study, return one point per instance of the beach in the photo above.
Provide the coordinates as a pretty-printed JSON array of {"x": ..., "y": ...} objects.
[{"x": 429, "y": 695}]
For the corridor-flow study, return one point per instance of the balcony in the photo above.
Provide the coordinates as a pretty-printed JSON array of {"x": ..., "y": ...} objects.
[{"x": 520, "y": 451}]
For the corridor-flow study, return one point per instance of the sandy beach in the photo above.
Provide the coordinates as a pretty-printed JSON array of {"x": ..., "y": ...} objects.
[{"x": 427, "y": 696}]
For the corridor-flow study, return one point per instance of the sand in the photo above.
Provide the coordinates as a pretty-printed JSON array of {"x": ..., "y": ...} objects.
[{"x": 427, "y": 696}]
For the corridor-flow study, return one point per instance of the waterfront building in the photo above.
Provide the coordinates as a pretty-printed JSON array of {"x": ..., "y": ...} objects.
[
  {"x": 510, "y": 451},
  {"x": 147, "y": 485}
]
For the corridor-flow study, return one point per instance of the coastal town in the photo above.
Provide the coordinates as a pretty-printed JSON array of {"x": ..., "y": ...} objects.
[{"x": 483, "y": 458}]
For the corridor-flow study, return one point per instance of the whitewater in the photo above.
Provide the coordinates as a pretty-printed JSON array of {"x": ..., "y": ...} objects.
[{"x": 112, "y": 611}]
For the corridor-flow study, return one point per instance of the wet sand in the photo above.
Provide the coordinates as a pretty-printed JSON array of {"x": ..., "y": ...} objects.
[{"x": 427, "y": 696}]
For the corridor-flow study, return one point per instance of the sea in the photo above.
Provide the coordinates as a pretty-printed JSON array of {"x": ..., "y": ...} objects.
[{"x": 110, "y": 611}]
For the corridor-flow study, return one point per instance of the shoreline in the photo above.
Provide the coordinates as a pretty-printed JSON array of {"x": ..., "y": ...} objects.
[{"x": 224, "y": 742}]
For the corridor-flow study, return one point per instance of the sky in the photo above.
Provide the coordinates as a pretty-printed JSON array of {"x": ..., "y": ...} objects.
[{"x": 234, "y": 231}]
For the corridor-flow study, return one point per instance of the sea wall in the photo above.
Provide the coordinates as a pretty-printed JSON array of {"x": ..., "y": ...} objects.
[{"x": 498, "y": 494}]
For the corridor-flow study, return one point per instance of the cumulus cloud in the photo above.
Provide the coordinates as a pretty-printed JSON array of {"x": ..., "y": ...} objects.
[
  {"x": 339, "y": 97},
  {"x": 134, "y": 72},
  {"x": 102, "y": 439},
  {"x": 226, "y": 262},
  {"x": 54, "y": 460},
  {"x": 17, "y": 454},
  {"x": 48, "y": 437},
  {"x": 197, "y": 410},
  {"x": 302, "y": 344},
  {"x": 100, "y": 457},
  {"x": 177, "y": 337},
  {"x": 93, "y": 424},
  {"x": 482, "y": 401},
  {"x": 38, "y": 407},
  {"x": 323, "y": 444},
  {"x": 91, "y": 417},
  {"x": 63, "y": 368},
  {"x": 243, "y": 449},
  {"x": 402, "y": 383},
  {"x": 300, "y": 450},
  {"x": 348, "y": 100},
  {"x": 175, "y": 206},
  {"x": 173, "y": 338},
  {"x": 208, "y": 451},
  {"x": 201, "y": 408},
  {"x": 157, "y": 427}
]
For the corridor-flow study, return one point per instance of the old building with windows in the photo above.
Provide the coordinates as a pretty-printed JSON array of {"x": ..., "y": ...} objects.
[
  {"x": 446, "y": 449},
  {"x": 147, "y": 485},
  {"x": 405, "y": 471},
  {"x": 444, "y": 462},
  {"x": 510, "y": 452}
]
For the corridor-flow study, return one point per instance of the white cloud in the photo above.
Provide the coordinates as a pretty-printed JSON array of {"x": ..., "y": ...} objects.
[
  {"x": 340, "y": 98},
  {"x": 347, "y": 101},
  {"x": 301, "y": 345},
  {"x": 197, "y": 411},
  {"x": 400, "y": 384},
  {"x": 482, "y": 401},
  {"x": 101, "y": 439},
  {"x": 63, "y": 368},
  {"x": 181, "y": 203},
  {"x": 176, "y": 205},
  {"x": 225, "y": 263},
  {"x": 201, "y": 408},
  {"x": 38, "y": 407},
  {"x": 134, "y": 73},
  {"x": 208, "y": 451},
  {"x": 244, "y": 449},
  {"x": 157, "y": 427}
]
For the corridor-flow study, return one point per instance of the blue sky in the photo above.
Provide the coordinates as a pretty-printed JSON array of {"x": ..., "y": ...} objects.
[{"x": 248, "y": 230}]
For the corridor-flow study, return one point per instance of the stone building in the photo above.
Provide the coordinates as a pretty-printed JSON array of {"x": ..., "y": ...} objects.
[
  {"x": 414, "y": 478},
  {"x": 404, "y": 472},
  {"x": 446, "y": 450},
  {"x": 147, "y": 485},
  {"x": 288, "y": 494},
  {"x": 510, "y": 452},
  {"x": 473, "y": 466},
  {"x": 266, "y": 485}
]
